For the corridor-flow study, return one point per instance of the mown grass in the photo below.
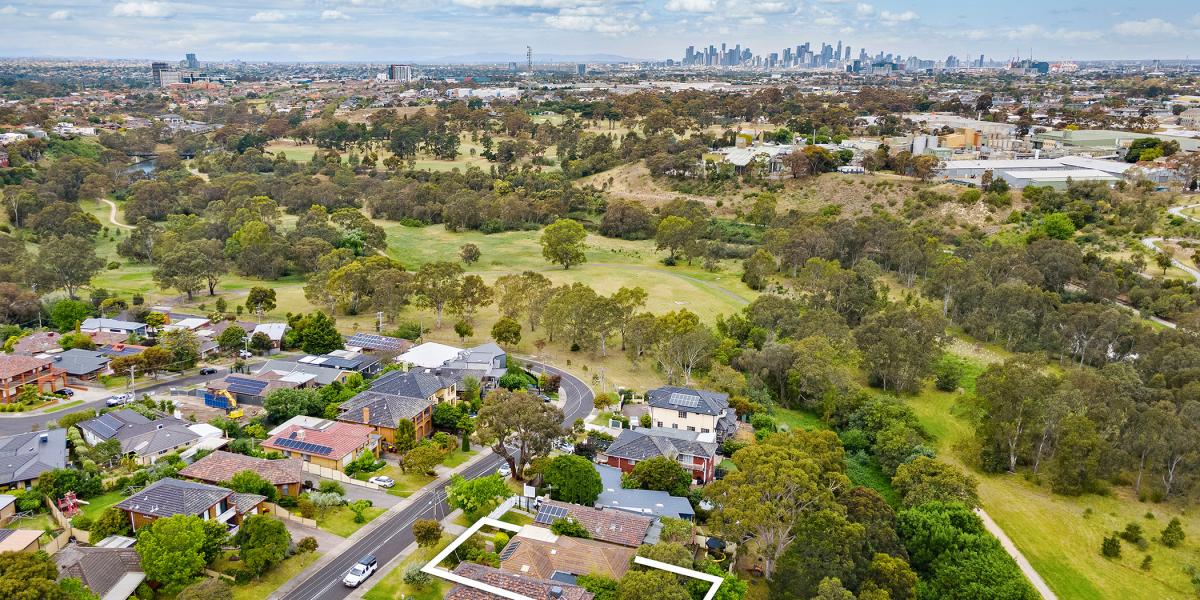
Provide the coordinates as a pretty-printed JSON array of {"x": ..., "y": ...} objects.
[
  {"x": 392, "y": 586},
  {"x": 97, "y": 505},
  {"x": 340, "y": 521},
  {"x": 260, "y": 588}
]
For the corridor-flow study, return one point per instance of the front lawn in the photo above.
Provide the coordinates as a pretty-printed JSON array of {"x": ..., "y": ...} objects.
[
  {"x": 264, "y": 586},
  {"x": 340, "y": 520},
  {"x": 63, "y": 406},
  {"x": 458, "y": 457},
  {"x": 392, "y": 585},
  {"x": 798, "y": 419}
]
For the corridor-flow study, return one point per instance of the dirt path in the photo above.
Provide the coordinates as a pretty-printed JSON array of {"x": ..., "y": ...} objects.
[
  {"x": 112, "y": 214},
  {"x": 1036, "y": 580}
]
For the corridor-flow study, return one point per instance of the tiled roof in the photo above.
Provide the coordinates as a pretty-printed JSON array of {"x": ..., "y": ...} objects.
[
  {"x": 100, "y": 569},
  {"x": 78, "y": 362},
  {"x": 38, "y": 342},
  {"x": 411, "y": 384},
  {"x": 383, "y": 410},
  {"x": 344, "y": 438},
  {"x": 13, "y": 365},
  {"x": 167, "y": 497},
  {"x": 221, "y": 466},
  {"x": 576, "y": 556},
  {"x": 688, "y": 400},
  {"x": 635, "y": 445},
  {"x": 531, "y": 587},
  {"x": 138, "y": 434},
  {"x": 244, "y": 502},
  {"x": 606, "y": 525},
  {"x": 25, "y": 456}
]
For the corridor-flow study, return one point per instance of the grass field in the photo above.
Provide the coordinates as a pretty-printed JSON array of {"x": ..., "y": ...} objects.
[
  {"x": 392, "y": 585},
  {"x": 340, "y": 520},
  {"x": 97, "y": 505},
  {"x": 260, "y": 588}
]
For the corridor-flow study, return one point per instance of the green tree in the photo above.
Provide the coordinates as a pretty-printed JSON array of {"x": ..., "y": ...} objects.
[
  {"x": 285, "y": 403},
  {"x": 423, "y": 458},
  {"x": 66, "y": 315},
  {"x": 1172, "y": 534},
  {"x": 436, "y": 285},
  {"x": 660, "y": 585},
  {"x": 113, "y": 521},
  {"x": 659, "y": 473},
  {"x": 172, "y": 550},
  {"x": 474, "y": 496},
  {"x": 250, "y": 482},
  {"x": 31, "y": 576},
  {"x": 260, "y": 298},
  {"x": 206, "y": 589},
  {"x": 900, "y": 345},
  {"x": 260, "y": 342},
  {"x": 891, "y": 575},
  {"x": 427, "y": 532},
  {"x": 574, "y": 479},
  {"x": 827, "y": 546},
  {"x": 507, "y": 331},
  {"x": 1058, "y": 226},
  {"x": 184, "y": 347},
  {"x": 233, "y": 338},
  {"x": 262, "y": 542},
  {"x": 469, "y": 253},
  {"x": 463, "y": 329},
  {"x": 676, "y": 235},
  {"x": 317, "y": 334},
  {"x": 1111, "y": 547},
  {"x": 924, "y": 479},
  {"x": 67, "y": 263},
  {"x": 563, "y": 243},
  {"x": 519, "y": 427},
  {"x": 569, "y": 527},
  {"x": 406, "y": 436}
]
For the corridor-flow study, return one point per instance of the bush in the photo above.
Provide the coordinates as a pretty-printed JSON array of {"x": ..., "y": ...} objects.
[
  {"x": 307, "y": 544},
  {"x": 1133, "y": 534},
  {"x": 570, "y": 527},
  {"x": 1172, "y": 535},
  {"x": 206, "y": 589},
  {"x": 307, "y": 509},
  {"x": 948, "y": 372},
  {"x": 1111, "y": 547},
  {"x": 82, "y": 522},
  {"x": 331, "y": 487},
  {"x": 417, "y": 578}
]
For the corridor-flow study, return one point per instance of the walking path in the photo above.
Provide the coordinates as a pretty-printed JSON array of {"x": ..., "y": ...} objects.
[
  {"x": 112, "y": 214},
  {"x": 1039, "y": 584}
]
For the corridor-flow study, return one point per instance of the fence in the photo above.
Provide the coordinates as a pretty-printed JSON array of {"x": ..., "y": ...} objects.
[
  {"x": 283, "y": 513},
  {"x": 68, "y": 530},
  {"x": 336, "y": 475}
]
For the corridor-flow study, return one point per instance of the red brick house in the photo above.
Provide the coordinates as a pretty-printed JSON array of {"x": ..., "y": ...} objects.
[
  {"x": 17, "y": 371},
  {"x": 634, "y": 446}
]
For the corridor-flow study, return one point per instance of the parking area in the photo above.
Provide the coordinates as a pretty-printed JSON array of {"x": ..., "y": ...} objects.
[{"x": 378, "y": 498}]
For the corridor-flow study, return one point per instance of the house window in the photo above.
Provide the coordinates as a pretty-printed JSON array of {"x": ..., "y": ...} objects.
[
  {"x": 703, "y": 430},
  {"x": 660, "y": 424},
  {"x": 674, "y": 425},
  {"x": 690, "y": 428},
  {"x": 682, "y": 414}
]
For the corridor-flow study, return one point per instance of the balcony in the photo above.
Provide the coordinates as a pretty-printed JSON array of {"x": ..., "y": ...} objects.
[{"x": 227, "y": 515}]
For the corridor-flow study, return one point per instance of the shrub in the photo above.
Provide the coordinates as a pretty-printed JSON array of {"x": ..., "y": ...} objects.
[
  {"x": 570, "y": 528},
  {"x": 1147, "y": 563},
  {"x": 417, "y": 578},
  {"x": 500, "y": 541},
  {"x": 81, "y": 522},
  {"x": 307, "y": 544},
  {"x": 307, "y": 509},
  {"x": 1133, "y": 534},
  {"x": 331, "y": 487},
  {"x": 1111, "y": 547},
  {"x": 1172, "y": 535}
]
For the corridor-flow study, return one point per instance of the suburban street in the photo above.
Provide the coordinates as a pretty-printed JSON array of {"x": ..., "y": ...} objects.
[
  {"x": 10, "y": 425},
  {"x": 394, "y": 533}
]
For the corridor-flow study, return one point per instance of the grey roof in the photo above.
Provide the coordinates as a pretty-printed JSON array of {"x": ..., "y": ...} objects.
[
  {"x": 79, "y": 362},
  {"x": 25, "y": 456},
  {"x": 245, "y": 502},
  {"x": 168, "y": 497},
  {"x": 383, "y": 409},
  {"x": 642, "y": 502},
  {"x": 688, "y": 399},
  {"x": 414, "y": 384},
  {"x": 94, "y": 323},
  {"x": 636, "y": 445},
  {"x": 487, "y": 358},
  {"x": 140, "y": 435},
  {"x": 325, "y": 375},
  {"x": 105, "y": 571}
]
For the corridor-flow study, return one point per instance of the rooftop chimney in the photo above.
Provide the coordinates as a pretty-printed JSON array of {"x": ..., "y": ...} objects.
[
  {"x": 299, "y": 434},
  {"x": 366, "y": 415},
  {"x": 556, "y": 592},
  {"x": 44, "y": 438}
]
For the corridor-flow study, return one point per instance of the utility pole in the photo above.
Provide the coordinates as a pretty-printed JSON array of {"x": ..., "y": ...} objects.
[
  {"x": 378, "y": 321},
  {"x": 132, "y": 376}
]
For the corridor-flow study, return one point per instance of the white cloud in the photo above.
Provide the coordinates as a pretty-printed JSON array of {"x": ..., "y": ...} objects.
[
  {"x": 1196, "y": 20},
  {"x": 525, "y": 3},
  {"x": 60, "y": 15},
  {"x": 146, "y": 10},
  {"x": 267, "y": 16},
  {"x": 588, "y": 20},
  {"x": 1147, "y": 28},
  {"x": 754, "y": 22},
  {"x": 334, "y": 15},
  {"x": 691, "y": 5},
  {"x": 903, "y": 17},
  {"x": 8, "y": 10},
  {"x": 829, "y": 21},
  {"x": 864, "y": 10}
]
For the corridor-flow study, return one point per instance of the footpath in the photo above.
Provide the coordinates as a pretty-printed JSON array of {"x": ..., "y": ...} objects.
[{"x": 1039, "y": 584}]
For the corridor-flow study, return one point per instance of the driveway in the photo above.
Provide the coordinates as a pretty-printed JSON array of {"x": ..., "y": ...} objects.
[
  {"x": 325, "y": 541},
  {"x": 378, "y": 498}
]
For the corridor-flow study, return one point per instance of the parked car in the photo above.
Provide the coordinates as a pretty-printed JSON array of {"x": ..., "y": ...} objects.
[
  {"x": 208, "y": 370},
  {"x": 119, "y": 399},
  {"x": 245, "y": 354},
  {"x": 382, "y": 481},
  {"x": 360, "y": 572},
  {"x": 68, "y": 392},
  {"x": 504, "y": 471}
]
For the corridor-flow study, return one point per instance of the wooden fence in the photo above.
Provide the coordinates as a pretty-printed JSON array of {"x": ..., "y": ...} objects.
[
  {"x": 283, "y": 513},
  {"x": 336, "y": 475}
]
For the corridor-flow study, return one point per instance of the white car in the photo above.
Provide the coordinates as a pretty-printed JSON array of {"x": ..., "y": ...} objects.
[
  {"x": 382, "y": 481},
  {"x": 119, "y": 399},
  {"x": 504, "y": 471},
  {"x": 245, "y": 353},
  {"x": 360, "y": 572}
]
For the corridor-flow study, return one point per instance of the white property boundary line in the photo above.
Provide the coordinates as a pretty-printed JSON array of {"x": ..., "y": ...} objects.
[{"x": 432, "y": 568}]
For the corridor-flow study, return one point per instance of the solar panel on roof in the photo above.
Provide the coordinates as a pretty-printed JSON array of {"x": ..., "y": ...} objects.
[
  {"x": 510, "y": 549},
  {"x": 547, "y": 515},
  {"x": 245, "y": 386},
  {"x": 302, "y": 446},
  {"x": 686, "y": 400},
  {"x": 378, "y": 342}
]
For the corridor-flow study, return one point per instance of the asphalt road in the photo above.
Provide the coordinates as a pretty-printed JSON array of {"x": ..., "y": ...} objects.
[
  {"x": 14, "y": 425},
  {"x": 392, "y": 536}
]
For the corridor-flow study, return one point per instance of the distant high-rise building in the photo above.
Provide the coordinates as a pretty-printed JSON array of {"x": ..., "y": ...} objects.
[
  {"x": 192, "y": 63},
  {"x": 402, "y": 73},
  {"x": 156, "y": 69},
  {"x": 581, "y": 69}
]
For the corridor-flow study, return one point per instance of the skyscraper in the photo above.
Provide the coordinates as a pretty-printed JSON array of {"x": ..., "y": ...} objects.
[
  {"x": 402, "y": 73},
  {"x": 192, "y": 63},
  {"x": 156, "y": 69}
]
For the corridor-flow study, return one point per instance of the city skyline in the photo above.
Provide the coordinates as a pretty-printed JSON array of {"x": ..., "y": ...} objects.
[{"x": 406, "y": 30}]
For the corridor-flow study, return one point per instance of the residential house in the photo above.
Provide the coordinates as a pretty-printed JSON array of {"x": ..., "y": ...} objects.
[
  {"x": 18, "y": 371},
  {"x": 345, "y": 360},
  {"x": 82, "y": 364},
  {"x": 322, "y": 375},
  {"x": 287, "y": 475},
  {"x": 604, "y": 524},
  {"x": 643, "y": 502},
  {"x": 20, "y": 540},
  {"x": 399, "y": 396},
  {"x": 129, "y": 328},
  {"x": 537, "y": 552},
  {"x": 274, "y": 331},
  {"x": 635, "y": 445},
  {"x": 254, "y": 389},
  {"x": 429, "y": 355},
  {"x": 170, "y": 497},
  {"x": 486, "y": 362},
  {"x": 38, "y": 343},
  {"x": 371, "y": 342},
  {"x": 110, "y": 573},
  {"x": 689, "y": 409},
  {"x": 329, "y": 444},
  {"x": 25, "y": 456},
  {"x": 147, "y": 440},
  {"x": 526, "y": 586}
]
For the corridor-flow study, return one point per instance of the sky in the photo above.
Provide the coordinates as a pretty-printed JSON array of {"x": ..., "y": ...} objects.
[{"x": 416, "y": 30}]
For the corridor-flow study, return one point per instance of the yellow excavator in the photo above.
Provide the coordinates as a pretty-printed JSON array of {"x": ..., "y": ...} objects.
[{"x": 232, "y": 410}]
